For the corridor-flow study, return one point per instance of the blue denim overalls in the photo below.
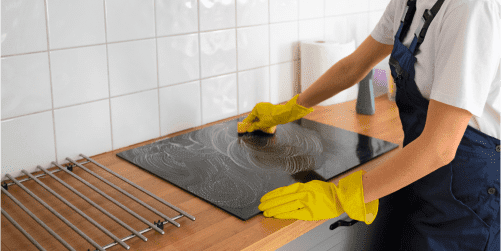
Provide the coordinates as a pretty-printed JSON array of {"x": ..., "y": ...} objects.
[{"x": 455, "y": 207}]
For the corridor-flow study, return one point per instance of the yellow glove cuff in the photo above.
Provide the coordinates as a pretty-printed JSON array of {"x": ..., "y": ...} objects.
[
  {"x": 350, "y": 192},
  {"x": 290, "y": 111},
  {"x": 297, "y": 109}
]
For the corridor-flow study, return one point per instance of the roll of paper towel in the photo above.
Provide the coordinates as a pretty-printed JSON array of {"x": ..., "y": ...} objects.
[{"x": 317, "y": 57}]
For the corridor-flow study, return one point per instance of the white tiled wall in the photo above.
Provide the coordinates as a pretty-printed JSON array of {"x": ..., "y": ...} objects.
[
  {"x": 93, "y": 76},
  {"x": 1, "y": 28}
]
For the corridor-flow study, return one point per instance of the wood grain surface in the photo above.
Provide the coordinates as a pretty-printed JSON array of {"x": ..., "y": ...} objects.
[{"x": 213, "y": 228}]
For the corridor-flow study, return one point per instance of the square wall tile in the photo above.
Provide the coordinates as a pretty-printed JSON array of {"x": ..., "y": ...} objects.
[
  {"x": 253, "y": 47},
  {"x": 217, "y": 14},
  {"x": 283, "y": 42},
  {"x": 312, "y": 29},
  {"x": 253, "y": 87},
  {"x": 180, "y": 107},
  {"x": 132, "y": 66},
  {"x": 79, "y": 75},
  {"x": 284, "y": 79},
  {"x": 75, "y": 23},
  {"x": 311, "y": 9},
  {"x": 378, "y": 5},
  {"x": 134, "y": 118},
  {"x": 219, "y": 54},
  {"x": 283, "y": 10},
  {"x": 131, "y": 19},
  {"x": 23, "y": 27},
  {"x": 335, "y": 8},
  {"x": 178, "y": 59},
  {"x": 219, "y": 98},
  {"x": 176, "y": 17},
  {"x": 344, "y": 29},
  {"x": 27, "y": 141},
  {"x": 252, "y": 12},
  {"x": 83, "y": 129},
  {"x": 25, "y": 84}
]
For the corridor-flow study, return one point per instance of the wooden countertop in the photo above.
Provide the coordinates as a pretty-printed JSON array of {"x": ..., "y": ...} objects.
[{"x": 213, "y": 228}]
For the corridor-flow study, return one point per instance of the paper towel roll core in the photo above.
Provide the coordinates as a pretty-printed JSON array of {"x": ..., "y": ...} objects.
[{"x": 317, "y": 57}]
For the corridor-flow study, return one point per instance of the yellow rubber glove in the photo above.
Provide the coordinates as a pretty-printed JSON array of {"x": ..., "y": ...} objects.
[
  {"x": 265, "y": 116},
  {"x": 319, "y": 200}
]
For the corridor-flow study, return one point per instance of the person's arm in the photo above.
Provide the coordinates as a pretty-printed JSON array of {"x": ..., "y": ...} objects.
[
  {"x": 346, "y": 72},
  {"x": 434, "y": 148}
]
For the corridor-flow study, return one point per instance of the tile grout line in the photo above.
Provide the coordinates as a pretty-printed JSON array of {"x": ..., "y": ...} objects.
[
  {"x": 236, "y": 53},
  {"x": 46, "y": 11},
  {"x": 146, "y": 38},
  {"x": 298, "y": 52},
  {"x": 24, "y": 53},
  {"x": 189, "y": 33},
  {"x": 109, "y": 81},
  {"x": 269, "y": 51},
  {"x": 323, "y": 33},
  {"x": 158, "y": 78},
  {"x": 200, "y": 64},
  {"x": 145, "y": 90},
  {"x": 172, "y": 35}
]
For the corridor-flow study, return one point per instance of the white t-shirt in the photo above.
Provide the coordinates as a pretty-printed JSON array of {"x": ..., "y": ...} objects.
[{"x": 459, "y": 61}]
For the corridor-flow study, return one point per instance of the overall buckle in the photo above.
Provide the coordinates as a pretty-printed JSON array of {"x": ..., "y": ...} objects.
[
  {"x": 422, "y": 28},
  {"x": 405, "y": 13}
]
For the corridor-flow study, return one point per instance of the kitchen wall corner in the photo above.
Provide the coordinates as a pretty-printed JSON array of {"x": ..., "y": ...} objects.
[{"x": 95, "y": 76}]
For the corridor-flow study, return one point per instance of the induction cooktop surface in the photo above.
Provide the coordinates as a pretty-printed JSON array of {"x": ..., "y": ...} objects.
[{"x": 233, "y": 172}]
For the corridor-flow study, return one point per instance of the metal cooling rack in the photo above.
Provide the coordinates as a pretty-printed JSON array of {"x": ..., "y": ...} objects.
[{"x": 157, "y": 226}]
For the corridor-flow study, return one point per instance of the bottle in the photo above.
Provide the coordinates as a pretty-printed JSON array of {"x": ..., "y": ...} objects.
[
  {"x": 365, "y": 99},
  {"x": 392, "y": 87}
]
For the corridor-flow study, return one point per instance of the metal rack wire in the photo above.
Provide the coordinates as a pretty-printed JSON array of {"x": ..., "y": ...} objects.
[{"x": 157, "y": 226}]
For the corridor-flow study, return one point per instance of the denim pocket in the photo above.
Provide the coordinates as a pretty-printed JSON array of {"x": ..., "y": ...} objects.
[{"x": 469, "y": 184}]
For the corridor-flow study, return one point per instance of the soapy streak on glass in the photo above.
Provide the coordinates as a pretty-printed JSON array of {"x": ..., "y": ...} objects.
[
  {"x": 234, "y": 172},
  {"x": 292, "y": 149}
]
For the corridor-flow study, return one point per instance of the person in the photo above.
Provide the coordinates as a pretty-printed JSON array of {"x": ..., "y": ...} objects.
[{"x": 441, "y": 190}]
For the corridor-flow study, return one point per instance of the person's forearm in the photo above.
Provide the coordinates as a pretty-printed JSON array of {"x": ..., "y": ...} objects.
[
  {"x": 342, "y": 75},
  {"x": 411, "y": 163}
]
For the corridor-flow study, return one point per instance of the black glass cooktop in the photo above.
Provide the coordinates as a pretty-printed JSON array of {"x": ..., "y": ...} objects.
[{"x": 233, "y": 172}]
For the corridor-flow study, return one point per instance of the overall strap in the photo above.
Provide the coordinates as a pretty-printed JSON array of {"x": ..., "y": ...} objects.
[
  {"x": 421, "y": 30},
  {"x": 406, "y": 20}
]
